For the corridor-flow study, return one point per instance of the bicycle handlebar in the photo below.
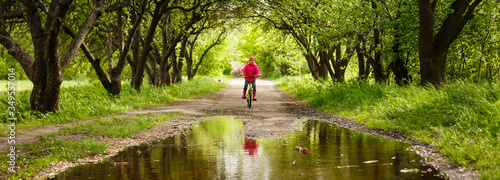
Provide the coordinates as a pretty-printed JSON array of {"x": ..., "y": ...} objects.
[{"x": 250, "y": 76}]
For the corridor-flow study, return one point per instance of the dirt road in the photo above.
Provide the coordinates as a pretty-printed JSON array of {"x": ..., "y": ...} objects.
[{"x": 270, "y": 114}]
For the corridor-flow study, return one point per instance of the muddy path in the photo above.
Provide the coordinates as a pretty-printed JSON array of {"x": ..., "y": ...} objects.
[{"x": 274, "y": 112}]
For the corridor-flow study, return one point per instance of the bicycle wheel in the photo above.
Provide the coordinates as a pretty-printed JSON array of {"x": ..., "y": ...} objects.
[{"x": 249, "y": 95}]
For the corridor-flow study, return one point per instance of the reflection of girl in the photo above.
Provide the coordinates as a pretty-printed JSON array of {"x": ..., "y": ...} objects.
[{"x": 250, "y": 146}]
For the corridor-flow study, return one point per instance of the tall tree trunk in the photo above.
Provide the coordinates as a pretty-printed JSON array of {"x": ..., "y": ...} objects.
[
  {"x": 135, "y": 47},
  {"x": 325, "y": 55},
  {"x": 180, "y": 62},
  {"x": 363, "y": 66},
  {"x": 378, "y": 66},
  {"x": 341, "y": 61},
  {"x": 337, "y": 64},
  {"x": 323, "y": 67},
  {"x": 483, "y": 47},
  {"x": 313, "y": 65},
  {"x": 398, "y": 67},
  {"x": 189, "y": 60},
  {"x": 137, "y": 78},
  {"x": 189, "y": 57},
  {"x": 433, "y": 49},
  {"x": 189, "y": 67}
]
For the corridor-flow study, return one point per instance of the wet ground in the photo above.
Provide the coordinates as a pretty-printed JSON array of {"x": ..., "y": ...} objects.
[{"x": 224, "y": 147}]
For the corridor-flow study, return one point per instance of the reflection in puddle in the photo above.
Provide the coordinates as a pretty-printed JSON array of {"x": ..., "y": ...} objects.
[{"x": 221, "y": 148}]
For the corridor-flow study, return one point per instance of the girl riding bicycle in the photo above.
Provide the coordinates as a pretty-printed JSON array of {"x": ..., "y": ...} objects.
[{"x": 250, "y": 71}]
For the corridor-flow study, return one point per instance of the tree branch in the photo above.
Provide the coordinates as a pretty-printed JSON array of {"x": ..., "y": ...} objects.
[
  {"x": 82, "y": 33},
  {"x": 17, "y": 52},
  {"x": 16, "y": 14}
]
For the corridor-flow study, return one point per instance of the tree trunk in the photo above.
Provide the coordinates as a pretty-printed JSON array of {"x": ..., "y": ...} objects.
[
  {"x": 189, "y": 67},
  {"x": 483, "y": 47},
  {"x": 323, "y": 68},
  {"x": 182, "y": 56},
  {"x": 363, "y": 66},
  {"x": 326, "y": 56},
  {"x": 398, "y": 67},
  {"x": 433, "y": 49},
  {"x": 378, "y": 66},
  {"x": 137, "y": 78},
  {"x": 313, "y": 65},
  {"x": 341, "y": 61}
]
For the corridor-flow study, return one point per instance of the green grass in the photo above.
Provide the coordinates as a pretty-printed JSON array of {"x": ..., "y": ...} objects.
[
  {"x": 462, "y": 120},
  {"x": 45, "y": 151},
  {"x": 117, "y": 127},
  {"x": 85, "y": 100},
  {"x": 48, "y": 148}
]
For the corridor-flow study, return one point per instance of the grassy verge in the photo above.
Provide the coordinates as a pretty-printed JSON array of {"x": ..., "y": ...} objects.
[
  {"x": 80, "y": 101},
  {"x": 461, "y": 120},
  {"x": 49, "y": 148}
]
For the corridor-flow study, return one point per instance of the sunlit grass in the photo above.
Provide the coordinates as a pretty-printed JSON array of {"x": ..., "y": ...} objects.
[
  {"x": 462, "y": 120},
  {"x": 23, "y": 85}
]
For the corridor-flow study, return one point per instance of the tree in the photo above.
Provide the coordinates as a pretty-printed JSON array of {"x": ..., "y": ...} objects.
[
  {"x": 45, "y": 67},
  {"x": 433, "y": 49},
  {"x": 176, "y": 21},
  {"x": 190, "y": 69},
  {"x": 113, "y": 83}
]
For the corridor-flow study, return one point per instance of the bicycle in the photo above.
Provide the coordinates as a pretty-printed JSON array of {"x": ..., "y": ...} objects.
[{"x": 250, "y": 93}]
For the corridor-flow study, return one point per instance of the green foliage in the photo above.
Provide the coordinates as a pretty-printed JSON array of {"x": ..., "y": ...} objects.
[
  {"x": 461, "y": 119},
  {"x": 216, "y": 61},
  {"x": 89, "y": 100},
  {"x": 276, "y": 55},
  {"x": 476, "y": 51}
]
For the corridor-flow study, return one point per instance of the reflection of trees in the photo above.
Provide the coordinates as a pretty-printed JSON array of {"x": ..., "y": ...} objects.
[
  {"x": 348, "y": 148},
  {"x": 198, "y": 153}
]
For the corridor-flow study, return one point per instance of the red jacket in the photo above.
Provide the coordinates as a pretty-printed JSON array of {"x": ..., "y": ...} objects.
[{"x": 250, "y": 70}]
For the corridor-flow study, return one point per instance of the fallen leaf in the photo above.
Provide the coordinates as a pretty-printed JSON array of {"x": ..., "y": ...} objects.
[
  {"x": 368, "y": 162},
  {"x": 120, "y": 163}
]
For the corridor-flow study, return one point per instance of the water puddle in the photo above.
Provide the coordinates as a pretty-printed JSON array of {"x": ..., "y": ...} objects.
[{"x": 219, "y": 148}]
